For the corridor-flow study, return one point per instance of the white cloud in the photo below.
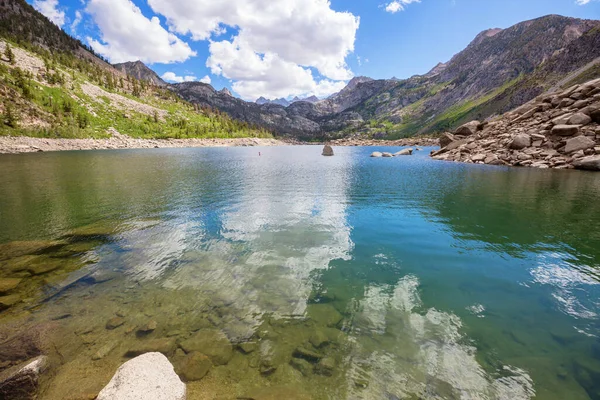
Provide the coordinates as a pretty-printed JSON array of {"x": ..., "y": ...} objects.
[
  {"x": 276, "y": 45},
  {"x": 398, "y": 5},
  {"x": 76, "y": 21},
  {"x": 50, "y": 9},
  {"x": 206, "y": 80},
  {"x": 127, "y": 35},
  {"x": 582, "y": 2},
  {"x": 172, "y": 77},
  {"x": 267, "y": 75}
]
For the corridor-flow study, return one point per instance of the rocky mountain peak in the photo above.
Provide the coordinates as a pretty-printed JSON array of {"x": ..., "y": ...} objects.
[
  {"x": 225, "y": 91},
  {"x": 140, "y": 71}
]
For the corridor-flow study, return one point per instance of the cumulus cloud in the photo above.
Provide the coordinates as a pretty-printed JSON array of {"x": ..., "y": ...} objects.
[
  {"x": 50, "y": 9},
  {"x": 172, "y": 77},
  {"x": 126, "y": 35},
  {"x": 583, "y": 2},
  {"x": 277, "y": 47},
  {"x": 206, "y": 79},
  {"x": 398, "y": 5},
  {"x": 76, "y": 21}
]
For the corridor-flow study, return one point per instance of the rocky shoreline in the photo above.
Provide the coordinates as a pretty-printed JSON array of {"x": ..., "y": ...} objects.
[{"x": 558, "y": 130}]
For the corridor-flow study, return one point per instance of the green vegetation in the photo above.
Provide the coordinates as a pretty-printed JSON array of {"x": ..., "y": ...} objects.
[
  {"x": 10, "y": 56},
  {"x": 55, "y": 103}
]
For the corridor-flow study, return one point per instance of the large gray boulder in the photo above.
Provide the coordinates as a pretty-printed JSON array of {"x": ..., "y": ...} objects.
[
  {"x": 327, "y": 150},
  {"x": 591, "y": 163},
  {"x": 21, "y": 381},
  {"x": 468, "y": 129},
  {"x": 565, "y": 130},
  {"x": 579, "y": 143},
  {"x": 579, "y": 119},
  {"x": 149, "y": 376},
  {"x": 520, "y": 142},
  {"x": 446, "y": 139}
]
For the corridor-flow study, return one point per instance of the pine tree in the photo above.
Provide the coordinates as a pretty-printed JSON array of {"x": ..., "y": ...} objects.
[
  {"x": 8, "y": 53},
  {"x": 9, "y": 116}
]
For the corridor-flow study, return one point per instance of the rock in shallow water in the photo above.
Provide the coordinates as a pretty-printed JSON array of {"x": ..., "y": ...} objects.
[
  {"x": 20, "y": 382},
  {"x": 405, "y": 152},
  {"x": 149, "y": 376},
  {"x": 589, "y": 163},
  {"x": 376, "y": 154},
  {"x": 194, "y": 367},
  {"x": 211, "y": 342}
]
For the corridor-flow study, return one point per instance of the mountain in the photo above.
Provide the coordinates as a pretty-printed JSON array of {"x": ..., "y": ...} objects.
[
  {"x": 141, "y": 72},
  {"x": 498, "y": 71},
  {"x": 52, "y": 86},
  {"x": 283, "y": 102}
]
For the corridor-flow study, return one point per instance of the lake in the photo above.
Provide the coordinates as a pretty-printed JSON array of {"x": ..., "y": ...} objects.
[{"x": 303, "y": 276}]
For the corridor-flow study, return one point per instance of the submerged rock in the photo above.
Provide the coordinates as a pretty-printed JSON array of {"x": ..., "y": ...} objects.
[
  {"x": 211, "y": 342},
  {"x": 21, "y": 381},
  {"x": 149, "y": 376},
  {"x": 327, "y": 150},
  {"x": 325, "y": 367},
  {"x": 23, "y": 248},
  {"x": 104, "y": 351},
  {"x": 302, "y": 365},
  {"x": 149, "y": 327},
  {"x": 194, "y": 366},
  {"x": 114, "y": 323},
  {"x": 275, "y": 393},
  {"x": 8, "y": 284},
  {"x": 302, "y": 352},
  {"x": 9, "y": 301},
  {"x": 324, "y": 314}
]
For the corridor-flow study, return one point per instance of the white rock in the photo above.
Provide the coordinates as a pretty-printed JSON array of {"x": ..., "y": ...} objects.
[{"x": 149, "y": 376}]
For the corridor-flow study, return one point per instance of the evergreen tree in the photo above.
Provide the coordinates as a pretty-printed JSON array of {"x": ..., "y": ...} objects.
[
  {"x": 9, "y": 116},
  {"x": 8, "y": 53}
]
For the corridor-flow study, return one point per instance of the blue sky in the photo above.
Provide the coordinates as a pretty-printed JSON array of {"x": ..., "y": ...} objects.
[{"x": 292, "y": 47}]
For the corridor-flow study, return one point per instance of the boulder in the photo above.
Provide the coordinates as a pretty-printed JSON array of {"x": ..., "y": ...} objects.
[
  {"x": 114, "y": 323},
  {"x": 468, "y": 129},
  {"x": 376, "y": 154},
  {"x": 8, "y": 284},
  {"x": 579, "y": 143},
  {"x": 325, "y": 367},
  {"x": 21, "y": 381},
  {"x": 211, "y": 342},
  {"x": 149, "y": 376},
  {"x": 405, "y": 152},
  {"x": 591, "y": 163},
  {"x": 387, "y": 155},
  {"x": 565, "y": 130},
  {"x": 327, "y": 150},
  {"x": 194, "y": 367},
  {"x": 9, "y": 301},
  {"x": 595, "y": 115},
  {"x": 520, "y": 142},
  {"x": 579, "y": 119},
  {"x": 446, "y": 139},
  {"x": 478, "y": 157}
]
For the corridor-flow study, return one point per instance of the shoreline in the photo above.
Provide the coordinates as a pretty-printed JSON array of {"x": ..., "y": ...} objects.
[{"x": 27, "y": 144}]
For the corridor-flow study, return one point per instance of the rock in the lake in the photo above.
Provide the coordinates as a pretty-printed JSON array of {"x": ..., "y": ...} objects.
[
  {"x": 161, "y": 345},
  {"x": 520, "y": 141},
  {"x": 319, "y": 339},
  {"x": 325, "y": 367},
  {"x": 9, "y": 301},
  {"x": 104, "y": 350},
  {"x": 149, "y": 376},
  {"x": 8, "y": 284},
  {"x": 248, "y": 347},
  {"x": 565, "y": 130},
  {"x": 303, "y": 352},
  {"x": 302, "y": 365},
  {"x": 211, "y": 342},
  {"x": 405, "y": 152},
  {"x": 387, "y": 155},
  {"x": 579, "y": 143},
  {"x": 327, "y": 150},
  {"x": 276, "y": 393},
  {"x": 21, "y": 381},
  {"x": 468, "y": 129},
  {"x": 376, "y": 154},
  {"x": 149, "y": 327},
  {"x": 579, "y": 119},
  {"x": 114, "y": 323},
  {"x": 324, "y": 314},
  {"x": 22, "y": 248},
  {"x": 194, "y": 366},
  {"x": 591, "y": 163}
]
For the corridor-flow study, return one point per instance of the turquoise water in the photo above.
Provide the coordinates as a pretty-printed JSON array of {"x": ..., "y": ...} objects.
[{"x": 344, "y": 277}]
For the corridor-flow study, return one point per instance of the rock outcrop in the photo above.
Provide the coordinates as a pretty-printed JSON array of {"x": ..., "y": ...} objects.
[
  {"x": 149, "y": 376},
  {"x": 327, "y": 151},
  {"x": 555, "y": 130}
]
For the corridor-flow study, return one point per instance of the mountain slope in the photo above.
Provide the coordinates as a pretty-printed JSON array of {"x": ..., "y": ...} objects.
[{"x": 140, "y": 71}]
